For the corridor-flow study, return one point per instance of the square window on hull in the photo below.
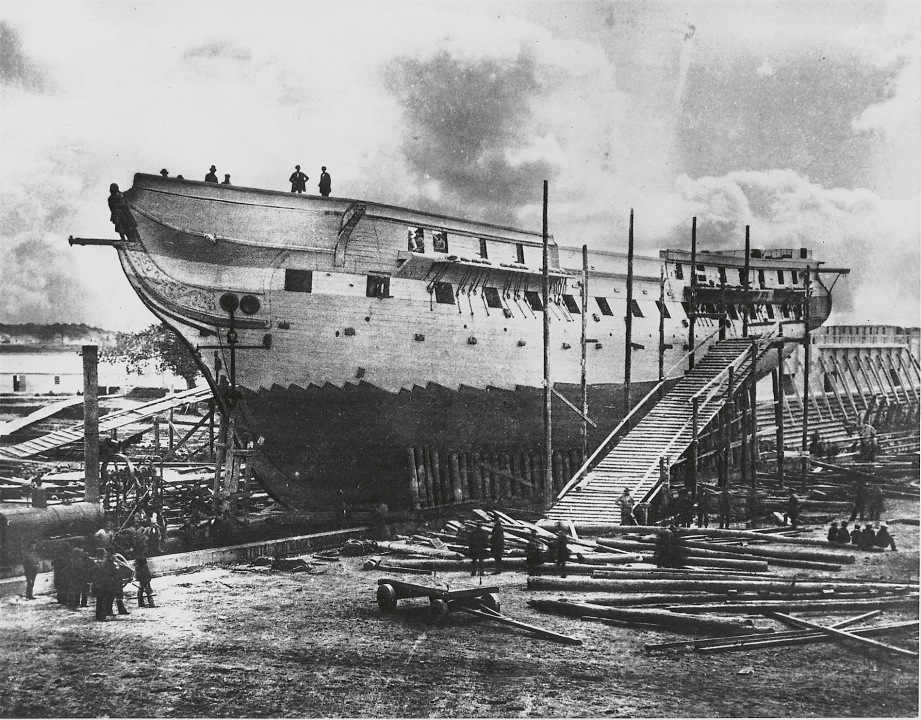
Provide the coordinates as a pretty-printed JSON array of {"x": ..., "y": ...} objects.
[
  {"x": 571, "y": 304},
  {"x": 299, "y": 281},
  {"x": 603, "y": 306},
  {"x": 492, "y": 297},
  {"x": 533, "y": 299},
  {"x": 444, "y": 293},
  {"x": 378, "y": 286}
]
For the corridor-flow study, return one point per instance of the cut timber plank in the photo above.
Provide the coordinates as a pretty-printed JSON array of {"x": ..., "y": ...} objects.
[{"x": 844, "y": 635}]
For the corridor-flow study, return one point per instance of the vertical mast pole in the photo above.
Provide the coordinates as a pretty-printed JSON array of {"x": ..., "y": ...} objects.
[
  {"x": 91, "y": 423},
  {"x": 746, "y": 284},
  {"x": 661, "y": 326},
  {"x": 548, "y": 431},
  {"x": 584, "y": 358},
  {"x": 693, "y": 303},
  {"x": 628, "y": 344},
  {"x": 807, "y": 360}
]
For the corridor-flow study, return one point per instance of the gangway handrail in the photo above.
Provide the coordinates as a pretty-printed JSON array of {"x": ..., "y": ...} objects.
[
  {"x": 580, "y": 473},
  {"x": 759, "y": 340}
]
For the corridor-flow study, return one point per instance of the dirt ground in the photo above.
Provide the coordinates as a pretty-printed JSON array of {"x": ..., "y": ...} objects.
[{"x": 249, "y": 642}]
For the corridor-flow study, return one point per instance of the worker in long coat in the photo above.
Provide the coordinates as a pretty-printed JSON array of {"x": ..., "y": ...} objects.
[
  {"x": 478, "y": 542},
  {"x": 561, "y": 549},
  {"x": 497, "y": 544},
  {"x": 725, "y": 507},
  {"x": 534, "y": 554}
]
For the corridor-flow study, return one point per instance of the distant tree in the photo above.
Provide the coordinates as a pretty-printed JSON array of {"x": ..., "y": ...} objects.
[{"x": 158, "y": 345}]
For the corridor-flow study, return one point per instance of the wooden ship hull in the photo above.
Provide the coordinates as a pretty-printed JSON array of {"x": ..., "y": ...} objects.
[{"x": 351, "y": 339}]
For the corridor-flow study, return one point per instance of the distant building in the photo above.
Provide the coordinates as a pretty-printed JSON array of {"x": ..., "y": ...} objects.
[{"x": 27, "y": 369}]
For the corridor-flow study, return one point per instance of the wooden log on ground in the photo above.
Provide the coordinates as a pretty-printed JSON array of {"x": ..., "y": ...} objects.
[
  {"x": 539, "y": 631},
  {"x": 728, "y": 563},
  {"x": 614, "y": 529},
  {"x": 598, "y": 584},
  {"x": 464, "y": 564},
  {"x": 760, "y": 607},
  {"x": 770, "y": 553},
  {"x": 844, "y": 636},
  {"x": 658, "y": 617},
  {"x": 739, "y": 639},
  {"x": 806, "y": 638},
  {"x": 401, "y": 548}
]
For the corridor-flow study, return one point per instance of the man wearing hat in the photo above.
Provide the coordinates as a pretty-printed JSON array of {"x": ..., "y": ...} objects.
[
  {"x": 226, "y": 179},
  {"x": 833, "y": 532},
  {"x": 884, "y": 539},
  {"x": 844, "y": 535},
  {"x": 298, "y": 180},
  {"x": 164, "y": 172},
  {"x": 326, "y": 182},
  {"x": 211, "y": 176}
]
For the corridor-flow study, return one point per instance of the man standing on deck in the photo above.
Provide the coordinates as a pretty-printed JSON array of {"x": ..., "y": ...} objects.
[
  {"x": 298, "y": 180},
  {"x": 326, "y": 182},
  {"x": 211, "y": 176}
]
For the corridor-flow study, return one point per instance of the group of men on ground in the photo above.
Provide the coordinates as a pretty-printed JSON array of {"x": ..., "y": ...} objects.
[
  {"x": 865, "y": 539},
  {"x": 103, "y": 574},
  {"x": 481, "y": 543}
]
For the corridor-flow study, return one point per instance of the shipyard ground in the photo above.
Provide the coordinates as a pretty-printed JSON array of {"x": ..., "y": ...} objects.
[{"x": 249, "y": 642}]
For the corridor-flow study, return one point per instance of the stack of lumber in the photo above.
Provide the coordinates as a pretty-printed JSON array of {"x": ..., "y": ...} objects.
[{"x": 714, "y": 602}]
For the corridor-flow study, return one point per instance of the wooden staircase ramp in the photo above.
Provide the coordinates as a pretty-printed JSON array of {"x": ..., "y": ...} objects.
[
  {"x": 664, "y": 432},
  {"x": 109, "y": 422}
]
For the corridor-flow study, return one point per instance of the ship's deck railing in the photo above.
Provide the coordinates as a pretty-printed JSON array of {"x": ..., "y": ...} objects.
[{"x": 855, "y": 339}]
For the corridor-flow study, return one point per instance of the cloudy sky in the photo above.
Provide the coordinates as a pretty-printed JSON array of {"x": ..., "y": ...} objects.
[{"x": 800, "y": 118}]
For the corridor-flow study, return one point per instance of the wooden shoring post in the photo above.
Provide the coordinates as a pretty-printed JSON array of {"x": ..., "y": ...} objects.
[
  {"x": 904, "y": 365},
  {"x": 172, "y": 432},
  {"x": 547, "y": 487},
  {"x": 190, "y": 433},
  {"x": 896, "y": 386},
  {"x": 807, "y": 362},
  {"x": 777, "y": 381},
  {"x": 695, "y": 429},
  {"x": 746, "y": 282},
  {"x": 584, "y": 359},
  {"x": 731, "y": 412},
  {"x": 753, "y": 415},
  {"x": 866, "y": 377},
  {"x": 229, "y": 485},
  {"x": 860, "y": 393},
  {"x": 833, "y": 378},
  {"x": 212, "y": 405},
  {"x": 743, "y": 431},
  {"x": 628, "y": 320},
  {"x": 661, "y": 328},
  {"x": 847, "y": 390},
  {"x": 843, "y": 635},
  {"x": 91, "y": 423},
  {"x": 156, "y": 434},
  {"x": 693, "y": 303},
  {"x": 219, "y": 463}
]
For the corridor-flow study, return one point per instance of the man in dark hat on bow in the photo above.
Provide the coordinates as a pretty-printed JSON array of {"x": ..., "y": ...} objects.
[
  {"x": 211, "y": 176},
  {"x": 326, "y": 182},
  {"x": 298, "y": 180}
]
